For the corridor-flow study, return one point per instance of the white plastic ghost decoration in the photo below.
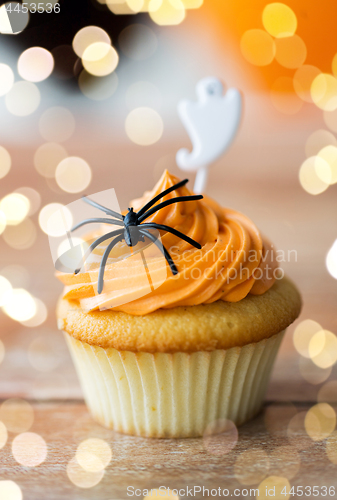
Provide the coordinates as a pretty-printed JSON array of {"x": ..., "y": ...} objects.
[{"x": 211, "y": 123}]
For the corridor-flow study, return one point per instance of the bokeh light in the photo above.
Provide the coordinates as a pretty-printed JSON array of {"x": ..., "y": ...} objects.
[
  {"x": 327, "y": 171},
  {"x": 5, "y": 25},
  {"x": 138, "y": 42},
  {"x": 87, "y": 36},
  {"x": 52, "y": 220},
  {"x": 303, "y": 79},
  {"x": 23, "y": 98},
  {"x": 285, "y": 461},
  {"x": 303, "y": 333},
  {"x": 122, "y": 7},
  {"x": 192, "y": 4},
  {"x": 283, "y": 96},
  {"x": 57, "y": 124},
  {"x": 35, "y": 64},
  {"x": 6, "y": 79},
  {"x": 5, "y": 162},
  {"x": 17, "y": 415},
  {"x": 135, "y": 5},
  {"x": 3, "y": 222},
  {"x": 167, "y": 12},
  {"x": 279, "y": 20},
  {"x": 220, "y": 437},
  {"x": 21, "y": 20},
  {"x": 17, "y": 275},
  {"x": 143, "y": 94},
  {"x": 324, "y": 92},
  {"x": 22, "y": 236},
  {"x": 39, "y": 317},
  {"x": 291, "y": 51},
  {"x": 82, "y": 478},
  {"x": 29, "y": 449},
  {"x": 73, "y": 174},
  {"x": 331, "y": 260},
  {"x": 93, "y": 454},
  {"x": 2, "y": 355},
  {"x": 52, "y": 185},
  {"x": 317, "y": 343},
  {"x": 27, "y": 307},
  {"x": 47, "y": 157},
  {"x": 309, "y": 179},
  {"x": 97, "y": 89},
  {"x": 100, "y": 59},
  {"x": 318, "y": 140},
  {"x": 32, "y": 196},
  {"x": 328, "y": 392},
  {"x": 323, "y": 349},
  {"x": 257, "y": 47},
  {"x": 312, "y": 373},
  {"x": 251, "y": 466},
  {"x": 330, "y": 118},
  {"x": 144, "y": 126},
  {"x": 43, "y": 354},
  {"x": 45, "y": 4},
  {"x": 320, "y": 421},
  {"x": 9, "y": 490},
  {"x": 275, "y": 485},
  {"x": 15, "y": 207},
  {"x": 3, "y": 435}
]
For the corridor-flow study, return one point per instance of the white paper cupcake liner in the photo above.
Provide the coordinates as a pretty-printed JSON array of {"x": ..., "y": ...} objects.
[{"x": 173, "y": 395}]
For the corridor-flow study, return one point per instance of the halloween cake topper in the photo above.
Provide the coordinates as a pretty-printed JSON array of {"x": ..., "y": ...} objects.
[
  {"x": 212, "y": 123},
  {"x": 134, "y": 230}
]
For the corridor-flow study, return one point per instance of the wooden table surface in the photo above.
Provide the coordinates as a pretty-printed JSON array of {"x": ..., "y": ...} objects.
[{"x": 293, "y": 220}]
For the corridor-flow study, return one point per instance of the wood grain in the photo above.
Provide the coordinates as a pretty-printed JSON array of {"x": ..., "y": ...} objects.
[
  {"x": 151, "y": 463},
  {"x": 292, "y": 219}
]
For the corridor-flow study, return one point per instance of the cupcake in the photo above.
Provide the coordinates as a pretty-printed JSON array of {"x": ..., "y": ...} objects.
[{"x": 195, "y": 347}]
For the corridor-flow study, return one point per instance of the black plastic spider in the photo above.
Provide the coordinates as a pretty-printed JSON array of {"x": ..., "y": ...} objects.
[{"x": 134, "y": 230}]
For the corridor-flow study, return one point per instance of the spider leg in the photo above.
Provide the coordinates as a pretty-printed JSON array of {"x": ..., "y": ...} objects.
[
  {"x": 161, "y": 247},
  {"x": 166, "y": 203},
  {"x": 103, "y": 262},
  {"x": 173, "y": 231},
  {"x": 101, "y": 207},
  {"x": 160, "y": 195},
  {"x": 95, "y": 244},
  {"x": 103, "y": 220}
]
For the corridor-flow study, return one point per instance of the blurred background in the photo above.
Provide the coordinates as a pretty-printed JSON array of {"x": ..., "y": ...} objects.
[{"x": 88, "y": 101}]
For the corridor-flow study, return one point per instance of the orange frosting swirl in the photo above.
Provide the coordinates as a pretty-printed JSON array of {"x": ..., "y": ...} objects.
[{"x": 234, "y": 260}]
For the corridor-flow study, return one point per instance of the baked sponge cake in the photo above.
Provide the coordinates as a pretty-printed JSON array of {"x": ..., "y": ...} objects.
[{"x": 195, "y": 350}]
